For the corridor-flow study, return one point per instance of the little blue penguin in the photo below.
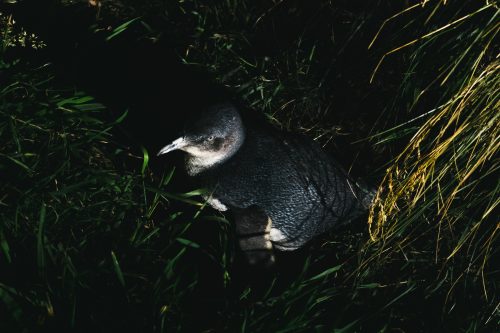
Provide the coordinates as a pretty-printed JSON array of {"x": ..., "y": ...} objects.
[{"x": 283, "y": 188}]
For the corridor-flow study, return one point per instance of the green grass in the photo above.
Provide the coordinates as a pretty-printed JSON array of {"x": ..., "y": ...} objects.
[
  {"x": 92, "y": 237},
  {"x": 79, "y": 211}
]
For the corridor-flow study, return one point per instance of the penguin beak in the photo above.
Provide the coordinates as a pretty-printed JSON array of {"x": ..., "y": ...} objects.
[{"x": 177, "y": 144}]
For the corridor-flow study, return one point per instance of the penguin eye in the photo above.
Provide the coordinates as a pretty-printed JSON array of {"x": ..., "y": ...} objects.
[
  {"x": 211, "y": 138},
  {"x": 216, "y": 143}
]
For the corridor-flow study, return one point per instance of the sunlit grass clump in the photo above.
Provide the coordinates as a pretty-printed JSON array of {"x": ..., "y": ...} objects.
[
  {"x": 438, "y": 201},
  {"x": 444, "y": 185}
]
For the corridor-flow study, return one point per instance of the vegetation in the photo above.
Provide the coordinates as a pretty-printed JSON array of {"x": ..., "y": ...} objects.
[{"x": 96, "y": 234}]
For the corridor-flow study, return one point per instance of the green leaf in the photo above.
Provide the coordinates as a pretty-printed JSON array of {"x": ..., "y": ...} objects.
[
  {"x": 325, "y": 273},
  {"x": 145, "y": 160},
  {"x": 121, "y": 28},
  {"x": 194, "y": 193},
  {"x": 169, "y": 177},
  {"x": 118, "y": 270},
  {"x": 75, "y": 100},
  {"x": 39, "y": 240},
  {"x": 5, "y": 246},
  {"x": 121, "y": 118},
  {"x": 369, "y": 285},
  {"x": 187, "y": 242},
  {"x": 21, "y": 164}
]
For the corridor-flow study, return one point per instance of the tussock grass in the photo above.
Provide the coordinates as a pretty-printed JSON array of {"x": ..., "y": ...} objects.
[
  {"x": 438, "y": 197},
  {"x": 441, "y": 193}
]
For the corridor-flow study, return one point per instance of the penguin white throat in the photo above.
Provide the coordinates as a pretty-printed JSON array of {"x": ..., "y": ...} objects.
[{"x": 200, "y": 158}]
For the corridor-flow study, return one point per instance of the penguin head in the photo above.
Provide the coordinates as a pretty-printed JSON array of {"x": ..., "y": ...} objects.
[{"x": 212, "y": 139}]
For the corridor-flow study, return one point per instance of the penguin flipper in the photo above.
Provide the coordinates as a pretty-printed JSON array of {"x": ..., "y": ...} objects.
[{"x": 252, "y": 229}]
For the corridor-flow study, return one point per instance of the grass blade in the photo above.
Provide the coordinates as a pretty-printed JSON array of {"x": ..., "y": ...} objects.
[{"x": 118, "y": 270}]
